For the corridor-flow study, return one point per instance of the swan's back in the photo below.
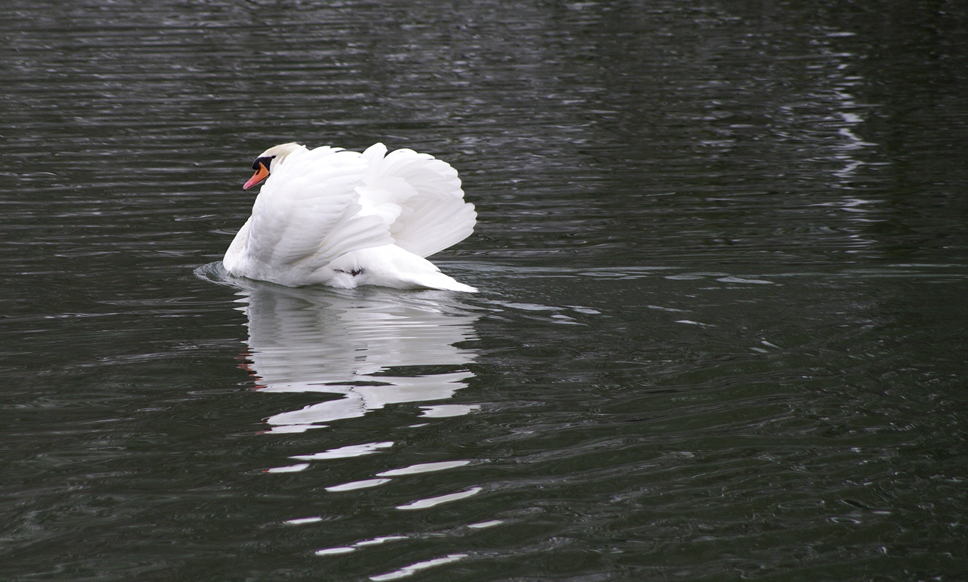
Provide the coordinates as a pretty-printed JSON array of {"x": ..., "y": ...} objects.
[{"x": 424, "y": 196}]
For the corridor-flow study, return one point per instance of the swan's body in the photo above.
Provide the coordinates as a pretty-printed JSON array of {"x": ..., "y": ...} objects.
[{"x": 345, "y": 219}]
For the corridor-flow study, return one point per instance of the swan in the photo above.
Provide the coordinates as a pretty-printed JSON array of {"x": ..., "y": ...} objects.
[{"x": 346, "y": 219}]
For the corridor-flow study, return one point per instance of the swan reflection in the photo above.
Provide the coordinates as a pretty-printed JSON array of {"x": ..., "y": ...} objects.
[{"x": 370, "y": 347}]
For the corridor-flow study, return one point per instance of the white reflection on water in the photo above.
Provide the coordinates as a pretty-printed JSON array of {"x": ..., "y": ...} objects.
[
  {"x": 423, "y": 468},
  {"x": 414, "y": 568},
  {"x": 370, "y": 347},
  {"x": 435, "y": 501},
  {"x": 353, "y": 486},
  {"x": 346, "y": 452}
]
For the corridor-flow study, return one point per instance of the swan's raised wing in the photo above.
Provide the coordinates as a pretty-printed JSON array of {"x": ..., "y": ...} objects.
[
  {"x": 307, "y": 213},
  {"x": 419, "y": 197}
]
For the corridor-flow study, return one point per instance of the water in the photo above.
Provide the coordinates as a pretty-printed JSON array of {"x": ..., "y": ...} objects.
[{"x": 720, "y": 334}]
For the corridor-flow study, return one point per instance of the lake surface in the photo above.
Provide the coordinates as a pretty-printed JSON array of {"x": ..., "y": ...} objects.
[{"x": 721, "y": 333}]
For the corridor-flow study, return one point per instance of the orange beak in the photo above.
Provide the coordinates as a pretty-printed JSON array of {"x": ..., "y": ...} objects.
[{"x": 261, "y": 174}]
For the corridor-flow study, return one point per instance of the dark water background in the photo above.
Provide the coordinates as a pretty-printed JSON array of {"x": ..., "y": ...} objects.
[{"x": 721, "y": 333}]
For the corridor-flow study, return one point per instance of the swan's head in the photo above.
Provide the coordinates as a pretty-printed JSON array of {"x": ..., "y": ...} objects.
[{"x": 268, "y": 160}]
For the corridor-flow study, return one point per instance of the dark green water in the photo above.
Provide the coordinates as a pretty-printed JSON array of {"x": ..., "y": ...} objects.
[{"x": 721, "y": 332}]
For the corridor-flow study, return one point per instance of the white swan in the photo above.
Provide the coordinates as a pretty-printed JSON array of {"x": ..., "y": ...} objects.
[{"x": 344, "y": 219}]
